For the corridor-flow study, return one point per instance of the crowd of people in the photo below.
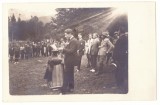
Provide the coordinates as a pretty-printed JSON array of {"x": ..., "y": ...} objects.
[
  {"x": 21, "y": 50},
  {"x": 99, "y": 49},
  {"x": 65, "y": 56}
]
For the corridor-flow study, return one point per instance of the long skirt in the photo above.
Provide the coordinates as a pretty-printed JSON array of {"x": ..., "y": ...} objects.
[{"x": 57, "y": 76}]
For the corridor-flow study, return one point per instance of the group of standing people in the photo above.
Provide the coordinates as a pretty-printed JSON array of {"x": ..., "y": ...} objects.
[
  {"x": 99, "y": 50},
  {"x": 26, "y": 50},
  {"x": 111, "y": 51}
]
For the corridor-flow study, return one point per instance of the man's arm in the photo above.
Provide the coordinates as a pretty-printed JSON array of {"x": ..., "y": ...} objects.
[
  {"x": 111, "y": 46},
  {"x": 72, "y": 49}
]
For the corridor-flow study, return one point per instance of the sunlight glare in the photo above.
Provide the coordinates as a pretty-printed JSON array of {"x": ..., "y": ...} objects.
[{"x": 119, "y": 11}]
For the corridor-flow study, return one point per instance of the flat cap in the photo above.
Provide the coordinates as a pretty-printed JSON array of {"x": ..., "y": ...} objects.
[{"x": 68, "y": 31}]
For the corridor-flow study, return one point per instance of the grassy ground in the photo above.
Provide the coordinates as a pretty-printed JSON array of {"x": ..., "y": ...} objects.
[{"x": 26, "y": 78}]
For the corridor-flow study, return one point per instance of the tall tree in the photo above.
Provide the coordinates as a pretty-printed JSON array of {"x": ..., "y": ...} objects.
[
  {"x": 31, "y": 29},
  {"x": 13, "y": 27},
  {"x": 73, "y": 17}
]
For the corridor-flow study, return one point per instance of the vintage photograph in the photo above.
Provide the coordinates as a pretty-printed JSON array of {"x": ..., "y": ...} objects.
[{"x": 64, "y": 51}]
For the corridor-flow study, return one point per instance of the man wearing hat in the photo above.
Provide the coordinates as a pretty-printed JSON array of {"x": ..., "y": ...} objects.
[
  {"x": 115, "y": 37},
  {"x": 120, "y": 57},
  {"x": 104, "y": 48},
  {"x": 70, "y": 53}
]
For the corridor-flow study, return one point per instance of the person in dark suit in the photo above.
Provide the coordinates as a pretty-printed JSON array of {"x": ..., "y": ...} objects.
[
  {"x": 94, "y": 51},
  {"x": 70, "y": 53},
  {"x": 120, "y": 57},
  {"x": 80, "y": 51}
]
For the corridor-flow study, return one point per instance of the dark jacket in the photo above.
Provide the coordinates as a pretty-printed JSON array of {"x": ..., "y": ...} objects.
[
  {"x": 81, "y": 46},
  {"x": 70, "y": 52},
  {"x": 94, "y": 46},
  {"x": 11, "y": 51},
  {"x": 120, "y": 51}
]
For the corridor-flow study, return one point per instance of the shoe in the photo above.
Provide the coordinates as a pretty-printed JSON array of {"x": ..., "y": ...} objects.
[
  {"x": 92, "y": 70},
  {"x": 77, "y": 70},
  {"x": 71, "y": 90},
  {"x": 44, "y": 85},
  {"x": 114, "y": 87},
  {"x": 61, "y": 93},
  {"x": 98, "y": 73},
  {"x": 113, "y": 67},
  {"x": 49, "y": 85},
  {"x": 113, "y": 64},
  {"x": 54, "y": 89}
]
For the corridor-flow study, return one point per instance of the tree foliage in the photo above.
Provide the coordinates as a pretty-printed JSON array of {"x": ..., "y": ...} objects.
[
  {"x": 88, "y": 20},
  {"x": 32, "y": 29},
  {"x": 83, "y": 20},
  {"x": 72, "y": 17}
]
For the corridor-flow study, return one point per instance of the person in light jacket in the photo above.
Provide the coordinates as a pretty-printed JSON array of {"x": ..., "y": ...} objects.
[
  {"x": 88, "y": 49},
  {"x": 104, "y": 48}
]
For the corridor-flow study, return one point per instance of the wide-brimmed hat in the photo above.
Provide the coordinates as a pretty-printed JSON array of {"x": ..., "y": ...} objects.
[
  {"x": 54, "y": 48},
  {"x": 105, "y": 34},
  {"x": 115, "y": 32}
]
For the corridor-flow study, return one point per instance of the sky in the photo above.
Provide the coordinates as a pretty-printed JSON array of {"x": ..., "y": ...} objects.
[{"x": 28, "y": 10}]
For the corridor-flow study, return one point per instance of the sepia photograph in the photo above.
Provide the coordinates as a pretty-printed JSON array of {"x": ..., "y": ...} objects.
[{"x": 66, "y": 50}]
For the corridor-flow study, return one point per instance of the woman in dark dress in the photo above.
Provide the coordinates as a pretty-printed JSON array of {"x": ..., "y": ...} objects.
[{"x": 54, "y": 71}]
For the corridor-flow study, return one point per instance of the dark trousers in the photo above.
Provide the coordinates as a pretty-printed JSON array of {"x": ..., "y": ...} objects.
[
  {"x": 121, "y": 74},
  {"x": 79, "y": 61},
  {"x": 26, "y": 55},
  {"x": 100, "y": 65},
  {"x": 16, "y": 59},
  {"x": 89, "y": 60},
  {"x": 22, "y": 55},
  {"x": 38, "y": 53},
  {"x": 42, "y": 52},
  {"x": 30, "y": 54},
  {"x": 94, "y": 61},
  {"x": 17, "y": 56},
  {"x": 11, "y": 58},
  {"x": 68, "y": 78},
  {"x": 109, "y": 55}
]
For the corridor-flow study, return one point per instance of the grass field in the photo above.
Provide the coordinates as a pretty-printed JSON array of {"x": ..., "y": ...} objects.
[{"x": 26, "y": 78}]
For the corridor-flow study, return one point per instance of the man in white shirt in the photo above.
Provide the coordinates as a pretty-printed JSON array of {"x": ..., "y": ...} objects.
[{"x": 88, "y": 47}]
